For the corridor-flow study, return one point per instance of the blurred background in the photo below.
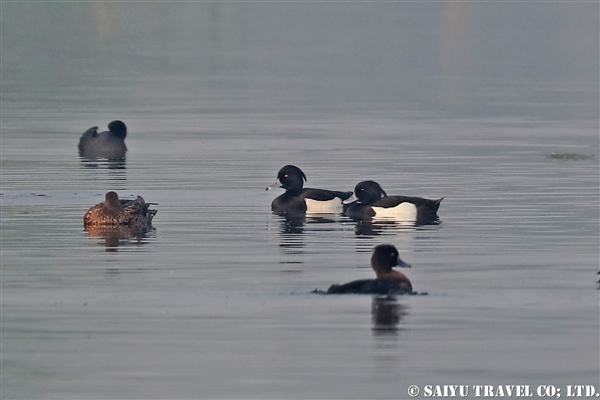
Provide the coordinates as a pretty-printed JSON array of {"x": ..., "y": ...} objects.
[{"x": 446, "y": 59}]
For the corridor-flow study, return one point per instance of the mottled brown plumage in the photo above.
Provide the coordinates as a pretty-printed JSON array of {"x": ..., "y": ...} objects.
[{"x": 133, "y": 213}]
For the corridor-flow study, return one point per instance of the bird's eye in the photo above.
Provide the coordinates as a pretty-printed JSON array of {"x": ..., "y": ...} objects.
[{"x": 286, "y": 175}]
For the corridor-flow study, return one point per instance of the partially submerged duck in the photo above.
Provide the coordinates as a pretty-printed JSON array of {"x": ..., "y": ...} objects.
[
  {"x": 297, "y": 199},
  {"x": 107, "y": 144},
  {"x": 387, "y": 281},
  {"x": 113, "y": 211},
  {"x": 370, "y": 201}
]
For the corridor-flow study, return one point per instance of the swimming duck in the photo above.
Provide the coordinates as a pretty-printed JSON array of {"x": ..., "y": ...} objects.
[
  {"x": 370, "y": 201},
  {"x": 297, "y": 199},
  {"x": 107, "y": 144},
  {"x": 133, "y": 213},
  {"x": 387, "y": 281}
]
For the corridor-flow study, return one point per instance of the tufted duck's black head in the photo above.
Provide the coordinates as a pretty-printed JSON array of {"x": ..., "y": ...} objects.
[
  {"x": 367, "y": 192},
  {"x": 291, "y": 178},
  {"x": 118, "y": 129}
]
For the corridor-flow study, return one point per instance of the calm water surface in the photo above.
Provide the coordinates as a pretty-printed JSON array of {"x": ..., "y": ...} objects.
[{"x": 215, "y": 302}]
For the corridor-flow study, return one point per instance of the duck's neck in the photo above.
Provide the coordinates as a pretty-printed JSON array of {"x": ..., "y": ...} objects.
[
  {"x": 293, "y": 191},
  {"x": 389, "y": 274}
]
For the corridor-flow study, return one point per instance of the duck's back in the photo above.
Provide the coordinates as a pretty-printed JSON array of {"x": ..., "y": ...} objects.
[
  {"x": 372, "y": 286},
  {"x": 101, "y": 144},
  {"x": 98, "y": 215},
  {"x": 419, "y": 203}
]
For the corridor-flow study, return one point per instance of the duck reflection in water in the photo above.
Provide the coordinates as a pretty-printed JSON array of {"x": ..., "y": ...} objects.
[
  {"x": 386, "y": 313},
  {"x": 293, "y": 226},
  {"x": 292, "y": 223},
  {"x": 296, "y": 222},
  {"x": 381, "y": 227},
  {"x": 114, "y": 164},
  {"x": 115, "y": 236}
]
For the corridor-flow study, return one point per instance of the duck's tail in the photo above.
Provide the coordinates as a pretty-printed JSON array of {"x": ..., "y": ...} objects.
[{"x": 437, "y": 203}]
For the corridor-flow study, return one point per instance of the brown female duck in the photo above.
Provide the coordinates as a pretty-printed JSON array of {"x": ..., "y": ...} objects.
[
  {"x": 387, "y": 281},
  {"x": 112, "y": 211}
]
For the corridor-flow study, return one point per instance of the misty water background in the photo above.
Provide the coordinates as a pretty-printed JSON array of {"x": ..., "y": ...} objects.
[{"x": 462, "y": 100}]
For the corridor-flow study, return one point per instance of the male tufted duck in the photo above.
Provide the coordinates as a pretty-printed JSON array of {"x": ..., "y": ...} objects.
[
  {"x": 107, "y": 144},
  {"x": 369, "y": 201},
  {"x": 299, "y": 200},
  {"x": 133, "y": 213},
  {"x": 388, "y": 281}
]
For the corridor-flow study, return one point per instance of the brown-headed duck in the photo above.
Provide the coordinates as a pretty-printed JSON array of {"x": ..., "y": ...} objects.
[{"x": 388, "y": 281}]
